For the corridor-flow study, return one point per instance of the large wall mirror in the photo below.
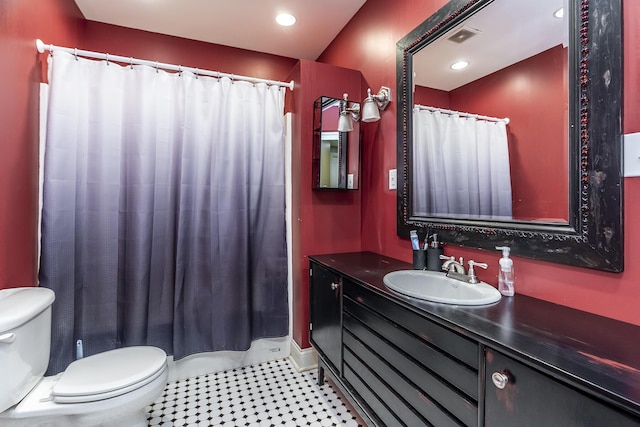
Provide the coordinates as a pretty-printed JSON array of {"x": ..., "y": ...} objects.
[{"x": 509, "y": 129}]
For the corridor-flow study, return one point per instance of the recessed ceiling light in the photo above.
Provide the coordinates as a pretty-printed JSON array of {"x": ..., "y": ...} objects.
[
  {"x": 559, "y": 13},
  {"x": 459, "y": 65},
  {"x": 286, "y": 19}
]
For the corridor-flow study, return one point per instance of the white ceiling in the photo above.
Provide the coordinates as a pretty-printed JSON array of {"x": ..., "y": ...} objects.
[
  {"x": 246, "y": 24},
  {"x": 508, "y": 31}
]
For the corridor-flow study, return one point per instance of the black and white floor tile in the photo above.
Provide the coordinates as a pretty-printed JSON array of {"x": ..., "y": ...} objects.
[{"x": 269, "y": 394}]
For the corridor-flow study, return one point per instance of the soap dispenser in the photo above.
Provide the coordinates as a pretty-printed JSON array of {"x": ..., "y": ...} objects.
[
  {"x": 506, "y": 273},
  {"x": 434, "y": 263}
]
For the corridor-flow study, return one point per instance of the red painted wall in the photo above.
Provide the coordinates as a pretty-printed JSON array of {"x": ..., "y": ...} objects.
[
  {"x": 60, "y": 22},
  {"x": 22, "y": 69},
  {"x": 330, "y": 119},
  {"x": 533, "y": 94},
  {"x": 431, "y": 97},
  {"x": 325, "y": 221},
  {"x": 174, "y": 50},
  {"x": 368, "y": 44}
]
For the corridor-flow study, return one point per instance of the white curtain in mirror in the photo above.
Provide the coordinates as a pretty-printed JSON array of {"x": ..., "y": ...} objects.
[{"x": 461, "y": 166}]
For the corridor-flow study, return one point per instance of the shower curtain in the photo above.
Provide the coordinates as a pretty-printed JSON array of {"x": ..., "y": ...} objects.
[
  {"x": 461, "y": 166},
  {"x": 163, "y": 218}
]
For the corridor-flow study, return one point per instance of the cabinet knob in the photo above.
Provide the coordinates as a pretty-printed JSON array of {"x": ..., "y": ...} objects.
[
  {"x": 334, "y": 285},
  {"x": 499, "y": 379}
]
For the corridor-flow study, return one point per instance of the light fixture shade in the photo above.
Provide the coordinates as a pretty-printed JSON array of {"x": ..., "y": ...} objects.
[
  {"x": 344, "y": 122},
  {"x": 370, "y": 111}
]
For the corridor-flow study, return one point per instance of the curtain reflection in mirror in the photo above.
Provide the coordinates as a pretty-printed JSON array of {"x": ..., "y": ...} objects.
[{"x": 461, "y": 166}]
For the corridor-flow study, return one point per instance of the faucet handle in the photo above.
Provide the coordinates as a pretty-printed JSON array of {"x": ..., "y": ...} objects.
[
  {"x": 447, "y": 258},
  {"x": 472, "y": 273}
]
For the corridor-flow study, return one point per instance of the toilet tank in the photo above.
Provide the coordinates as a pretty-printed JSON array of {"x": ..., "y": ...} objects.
[{"x": 25, "y": 338}]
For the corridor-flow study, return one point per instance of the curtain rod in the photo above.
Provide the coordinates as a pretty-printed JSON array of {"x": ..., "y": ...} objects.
[
  {"x": 42, "y": 47},
  {"x": 452, "y": 112}
]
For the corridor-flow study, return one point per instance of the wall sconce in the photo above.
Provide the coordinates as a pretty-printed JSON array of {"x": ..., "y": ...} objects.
[
  {"x": 348, "y": 115},
  {"x": 374, "y": 103}
]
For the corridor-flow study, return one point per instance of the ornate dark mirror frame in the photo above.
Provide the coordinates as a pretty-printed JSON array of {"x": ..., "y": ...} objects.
[{"x": 593, "y": 236}]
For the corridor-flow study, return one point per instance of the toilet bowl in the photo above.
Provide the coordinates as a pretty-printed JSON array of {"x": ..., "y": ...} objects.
[{"x": 112, "y": 388}]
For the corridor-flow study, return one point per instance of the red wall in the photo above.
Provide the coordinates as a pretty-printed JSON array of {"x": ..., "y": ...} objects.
[
  {"x": 145, "y": 45},
  {"x": 21, "y": 71},
  {"x": 431, "y": 97},
  {"x": 533, "y": 94},
  {"x": 60, "y": 22},
  {"x": 325, "y": 221},
  {"x": 368, "y": 44}
]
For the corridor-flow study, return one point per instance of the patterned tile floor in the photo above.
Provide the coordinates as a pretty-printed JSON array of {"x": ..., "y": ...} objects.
[{"x": 269, "y": 394}]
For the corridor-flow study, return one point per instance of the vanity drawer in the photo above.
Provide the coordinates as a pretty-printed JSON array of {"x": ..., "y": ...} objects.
[
  {"x": 445, "y": 340},
  {"x": 430, "y": 396},
  {"x": 457, "y": 374}
]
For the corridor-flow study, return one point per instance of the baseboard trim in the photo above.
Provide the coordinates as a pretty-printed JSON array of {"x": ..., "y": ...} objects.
[{"x": 303, "y": 360}]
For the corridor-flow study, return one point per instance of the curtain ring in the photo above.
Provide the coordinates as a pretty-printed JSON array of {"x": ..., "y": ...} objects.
[
  {"x": 233, "y": 79},
  {"x": 179, "y": 70},
  {"x": 131, "y": 62},
  {"x": 106, "y": 55},
  {"x": 50, "y": 50},
  {"x": 75, "y": 53},
  {"x": 157, "y": 66},
  {"x": 196, "y": 73}
]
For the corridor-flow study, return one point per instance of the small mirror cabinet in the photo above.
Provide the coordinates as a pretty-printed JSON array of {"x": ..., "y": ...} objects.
[{"x": 336, "y": 155}]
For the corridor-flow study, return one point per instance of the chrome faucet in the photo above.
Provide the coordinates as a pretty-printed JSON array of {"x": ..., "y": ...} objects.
[
  {"x": 455, "y": 269},
  {"x": 451, "y": 265}
]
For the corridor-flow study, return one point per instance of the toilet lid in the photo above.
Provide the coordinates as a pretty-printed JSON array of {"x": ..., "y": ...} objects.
[{"x": 109, "y": 374}]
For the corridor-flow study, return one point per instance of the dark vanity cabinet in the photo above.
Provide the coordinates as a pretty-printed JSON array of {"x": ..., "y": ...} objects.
[
  {"x": 520, "y": 362},
  {"x": 325, "y": 328}
]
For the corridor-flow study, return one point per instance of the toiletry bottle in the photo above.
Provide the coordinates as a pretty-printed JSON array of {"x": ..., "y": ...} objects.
[
  {"x": 434, "y": 263},
  {"x": 506, "y": 274}
]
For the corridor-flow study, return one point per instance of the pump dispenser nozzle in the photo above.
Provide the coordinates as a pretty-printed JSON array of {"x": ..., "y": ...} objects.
[{"x": 505, "y": 250}]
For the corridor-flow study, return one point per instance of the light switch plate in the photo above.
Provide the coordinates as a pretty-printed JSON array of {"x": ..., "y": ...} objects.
[
  {"x": 632, "y": 154},
  {"x": 393, "y": 179},
  {"x": 350, "y": 181}
]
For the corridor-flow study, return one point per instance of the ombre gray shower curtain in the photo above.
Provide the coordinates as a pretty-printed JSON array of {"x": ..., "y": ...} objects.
[
  {"x": 461, "y": 166},
  {"x": 163, "y": 219}
]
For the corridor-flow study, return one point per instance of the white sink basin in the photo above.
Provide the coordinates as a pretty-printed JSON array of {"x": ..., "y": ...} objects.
[{"x": 437, "y": 287}]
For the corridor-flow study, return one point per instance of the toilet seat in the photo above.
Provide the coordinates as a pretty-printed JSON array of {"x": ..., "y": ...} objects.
[{"x": 109, "y": 374}]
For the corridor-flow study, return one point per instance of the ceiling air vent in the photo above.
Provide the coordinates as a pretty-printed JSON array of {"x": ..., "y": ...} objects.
[{"x": 462, "y": 35}]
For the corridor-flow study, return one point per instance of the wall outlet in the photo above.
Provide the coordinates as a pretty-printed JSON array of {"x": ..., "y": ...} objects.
[
  {"x": 393, "y": 179},
  {"x": 632, "y": 154},
  {"x": 350, "y": 181}
]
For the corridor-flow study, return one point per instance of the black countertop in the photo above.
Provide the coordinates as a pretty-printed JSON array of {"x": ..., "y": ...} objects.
[{"x": 591, "y": 352}]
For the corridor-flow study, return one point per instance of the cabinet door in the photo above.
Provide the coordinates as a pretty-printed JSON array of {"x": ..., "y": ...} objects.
[
  {"x": 325, "y": 314},
  {"x": 517, "y": 395}
]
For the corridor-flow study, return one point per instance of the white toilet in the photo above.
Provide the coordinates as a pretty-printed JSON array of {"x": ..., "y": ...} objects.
[{"x": 107, "y": 389}]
